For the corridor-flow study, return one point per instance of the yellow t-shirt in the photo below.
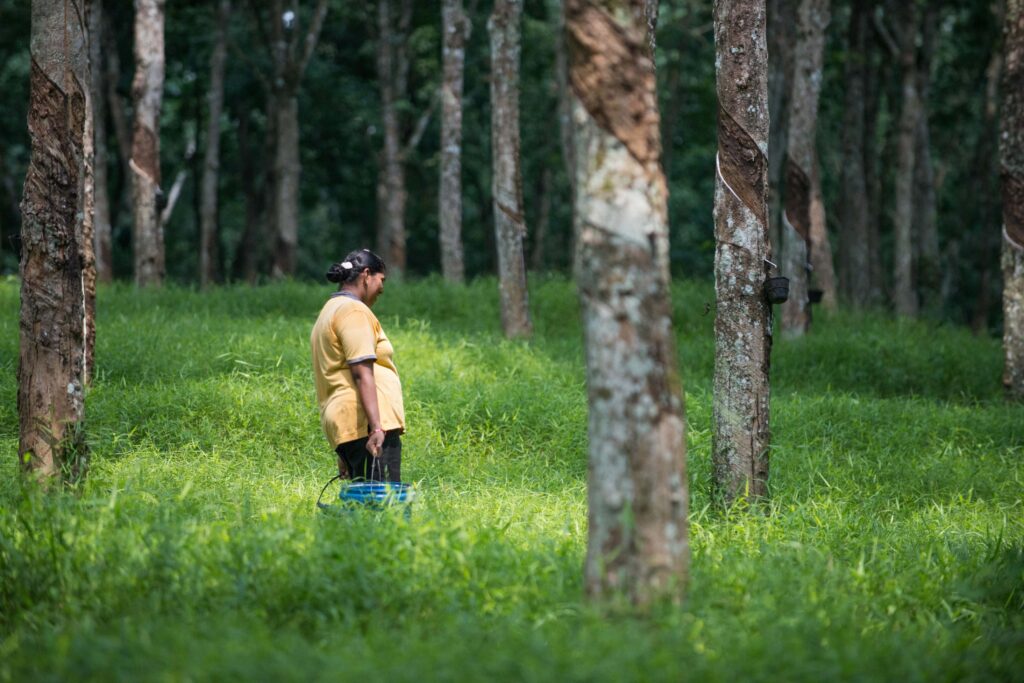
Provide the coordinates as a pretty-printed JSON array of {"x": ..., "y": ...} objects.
[{"x": 346, "y": 332}]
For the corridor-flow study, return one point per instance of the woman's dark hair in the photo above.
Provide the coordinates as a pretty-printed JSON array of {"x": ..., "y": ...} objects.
[{"x": 349, "y": 268}]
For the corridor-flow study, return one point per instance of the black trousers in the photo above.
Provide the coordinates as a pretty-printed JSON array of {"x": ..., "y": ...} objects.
[{"x": 361, "y": 465}]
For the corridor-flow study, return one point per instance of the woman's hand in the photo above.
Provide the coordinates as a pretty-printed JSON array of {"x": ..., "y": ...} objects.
[{"x": 375, "y": 442}]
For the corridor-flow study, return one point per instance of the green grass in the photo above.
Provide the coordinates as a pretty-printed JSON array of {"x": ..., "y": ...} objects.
[{"x": 892, "y": 549}]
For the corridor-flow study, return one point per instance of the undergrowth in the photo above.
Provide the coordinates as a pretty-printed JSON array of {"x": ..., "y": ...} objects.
[{"x": 892, "y": 547}]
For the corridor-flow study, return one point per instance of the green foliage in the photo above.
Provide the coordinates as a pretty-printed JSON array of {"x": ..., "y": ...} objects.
[
  {"x": 14, "y": 76},
  {"x": 891, "y": 549},
  {"x": 341, "y": 138}
]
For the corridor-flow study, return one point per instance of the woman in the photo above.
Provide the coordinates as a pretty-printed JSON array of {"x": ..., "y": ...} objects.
[{"x": 357, "y": 383}]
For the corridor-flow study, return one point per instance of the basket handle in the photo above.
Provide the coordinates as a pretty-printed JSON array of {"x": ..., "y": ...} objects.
[{"x": 318, "y": 498}]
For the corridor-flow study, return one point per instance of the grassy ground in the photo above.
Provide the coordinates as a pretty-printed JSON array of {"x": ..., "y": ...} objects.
[{"x": 893, "y": 548}]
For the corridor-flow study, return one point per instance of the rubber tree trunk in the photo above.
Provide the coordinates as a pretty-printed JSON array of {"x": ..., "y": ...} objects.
[
  {"x": 291, "y": 49},
  {"x": 985, "y": 185},
  {"x": 781, "y": 36},
  {"x": 506, "y": 178},
  {"x": 245, "y": 265},
  {"x": 121, "y": 203},
  {"x": 743, "y": 322},
  {"x": 540, "y": 234},
  {"x": 392, "y": 75},
  {"x": 287, "y": 169},
  {"x": 879, "y": 72},
  {"x": 1012, "y": 172},
  {"x": 51, "y": 369},
  {"x": 801, "y": 155},
  {"x": 87, "y": 243},
  {"x": 823, "y": 274},
  {"x": 925, "y": 231},
  {"x": 102, "y": 233},
  {"x": 565, "y": 126},
  {"x": 147, "y": 95},
  {"x": 904, "y": 289},
  {"x": 209, "y": 255},
  {"x": 637, "y": 542},
  {"x": 260, "y": 257},
  {"x": 455, "y": 28},
  {"x": 854, "y": 211}
]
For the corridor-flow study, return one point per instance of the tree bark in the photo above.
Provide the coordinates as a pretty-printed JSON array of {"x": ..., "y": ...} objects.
[
  {"x": 102, "y": 233},
  {"x": 540, "y": 235},
  {"x": 985, "y": 186},
  {"x": 287, "y": 169},
  {"x": 822, "y": 270},
  {"x": 290, "y": 51},
  {"x": 1012, "y": 175},
  {"x": 88, "y": 218},
  {"x": 51, "y": 370},
  {"x": 637, "y": 495},
  {"x": 565, "y": 125},
  {"x": 392, "y": 74},
  {"x": 904, "y": 290},
  {"x": 781, "y": 36},
  {"x": 246, "y": 263},
  {"x": 801, "y": 155},
  {"x": 743, "y": 323},
  {"x": 506, "y": 179},
  {"x": 651, "y": 18},
  {"x": 879, "y": 71},
  {"x": 121, "y": 202},
  {"x": 925, "y": 230},
  {"x": 455, "y": 27},
  {"x": 147, "y": 94},
  {"x": 209, "y": 256},
  {"x": 261, "y": 259},
  {"x": 854, "y": 212}
]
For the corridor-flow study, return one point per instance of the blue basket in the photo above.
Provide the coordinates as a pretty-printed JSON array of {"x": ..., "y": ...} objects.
[
  {"x": 372, "y": 495},
  {"x": 376, "y": 493}
]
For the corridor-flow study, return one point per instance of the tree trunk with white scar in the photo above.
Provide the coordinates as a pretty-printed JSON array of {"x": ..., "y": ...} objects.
[
  {"x": 801, "y": 156},
  {"x": 743, "y": 314},
  {"x": 638, "y": 543},
  {"x": 147, "y": 95}
]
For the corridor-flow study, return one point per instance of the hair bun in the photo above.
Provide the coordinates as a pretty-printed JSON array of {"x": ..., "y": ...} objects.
[{"x": 336, "y": 273}]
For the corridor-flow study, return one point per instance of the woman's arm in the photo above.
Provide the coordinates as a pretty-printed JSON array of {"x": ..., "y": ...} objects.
[{"x": 366, "y": 389}]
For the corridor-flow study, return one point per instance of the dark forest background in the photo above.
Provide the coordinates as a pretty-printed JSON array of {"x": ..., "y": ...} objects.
[{"x": 341, "y": 139}]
